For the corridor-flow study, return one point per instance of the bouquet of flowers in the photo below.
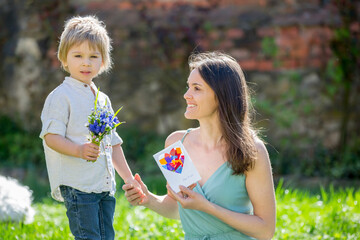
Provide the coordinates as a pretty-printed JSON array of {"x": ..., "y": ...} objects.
[{"x": 101, "y": 121}]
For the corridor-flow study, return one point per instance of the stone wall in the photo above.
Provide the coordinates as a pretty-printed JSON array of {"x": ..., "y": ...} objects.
[{"x": 283, "y": 47}]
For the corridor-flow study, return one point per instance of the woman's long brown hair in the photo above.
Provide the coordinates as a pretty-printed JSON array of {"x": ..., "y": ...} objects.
[{"x": 224, "y": 75}]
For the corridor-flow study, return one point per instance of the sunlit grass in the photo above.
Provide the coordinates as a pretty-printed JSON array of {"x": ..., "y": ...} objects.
[{"x": 330, "y": 214}]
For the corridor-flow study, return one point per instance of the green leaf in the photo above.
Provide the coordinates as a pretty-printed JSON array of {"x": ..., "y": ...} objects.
[
  {"x": 119, "y": 124},
  {"x": 117, "y": 111},
  {"x": 97, "y": 95}
]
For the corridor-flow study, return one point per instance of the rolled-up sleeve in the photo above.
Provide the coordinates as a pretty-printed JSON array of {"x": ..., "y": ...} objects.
[
  {"x": 55, "y": 114},
  {"x": 115, "y": 138}
]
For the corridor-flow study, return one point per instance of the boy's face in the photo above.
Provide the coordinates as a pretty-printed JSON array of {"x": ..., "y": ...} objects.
[{"x": 83, "y": 62}]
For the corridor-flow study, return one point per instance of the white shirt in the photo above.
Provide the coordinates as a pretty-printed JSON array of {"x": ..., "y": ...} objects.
[{"x": 65, "y": 113}]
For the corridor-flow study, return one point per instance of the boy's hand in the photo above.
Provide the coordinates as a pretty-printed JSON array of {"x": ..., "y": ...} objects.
[
  {"x": 136, "y": 191},
  {"x": 89, "y": 151}
]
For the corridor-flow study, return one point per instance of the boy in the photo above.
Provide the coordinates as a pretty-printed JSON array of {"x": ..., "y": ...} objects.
[{"x": 87, "y": 188}]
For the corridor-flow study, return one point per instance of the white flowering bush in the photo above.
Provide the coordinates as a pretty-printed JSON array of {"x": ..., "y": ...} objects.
[{"x": 15, "y": 201}]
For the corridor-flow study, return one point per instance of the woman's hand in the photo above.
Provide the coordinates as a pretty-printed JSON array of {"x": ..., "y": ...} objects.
[
  {"x": 134, "y": 194},
  {"x": 188, "y": 198}
]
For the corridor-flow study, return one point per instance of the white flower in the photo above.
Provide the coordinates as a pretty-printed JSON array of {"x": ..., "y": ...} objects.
[{"x": 15, "y": 201}]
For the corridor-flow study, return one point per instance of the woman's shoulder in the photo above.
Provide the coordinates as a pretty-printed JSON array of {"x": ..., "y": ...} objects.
[
  {"x": 178, "y": 135},
  {"x": 262, "y": 153},
  {"x": 174, "y": 137},
  {"x": 259, "y": 144}
]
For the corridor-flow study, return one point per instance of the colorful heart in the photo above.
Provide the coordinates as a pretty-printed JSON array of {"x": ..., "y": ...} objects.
[{"x": 173, "y": 161}]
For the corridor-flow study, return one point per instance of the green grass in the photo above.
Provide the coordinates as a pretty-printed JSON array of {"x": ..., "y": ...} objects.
[{"x": 330, "y": 214}]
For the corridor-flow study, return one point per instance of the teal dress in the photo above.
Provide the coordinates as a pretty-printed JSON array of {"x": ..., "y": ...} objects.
[{"x": 223, "y": 189}]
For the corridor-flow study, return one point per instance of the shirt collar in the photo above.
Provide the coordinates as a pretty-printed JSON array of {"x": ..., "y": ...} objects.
[{"x": 76, "y": 83}]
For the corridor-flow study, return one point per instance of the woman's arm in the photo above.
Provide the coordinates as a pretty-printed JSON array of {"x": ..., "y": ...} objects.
[
  {"x": 88, "y": 151},
  {"x": 259, "y": 184},
  {"x": 163, "y": 205}
]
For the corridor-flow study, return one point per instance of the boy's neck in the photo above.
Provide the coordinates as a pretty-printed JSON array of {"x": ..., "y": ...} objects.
[{"x": 86, "y": 82}]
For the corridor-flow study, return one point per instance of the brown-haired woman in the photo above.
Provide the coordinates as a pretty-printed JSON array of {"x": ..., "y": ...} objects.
[{"x": 235, "y": 197}]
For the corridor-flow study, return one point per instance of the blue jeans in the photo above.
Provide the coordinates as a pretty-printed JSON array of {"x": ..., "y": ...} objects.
[{"x": 90, "y": 215}]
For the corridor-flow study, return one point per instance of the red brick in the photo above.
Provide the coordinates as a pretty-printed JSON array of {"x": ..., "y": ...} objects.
[
  {"x": 234, "y": 33},
  {"x": 283, "y": 42},
  {"x": 104, "y": 5},
  {"x": 226, "y": 44},
  {"x": 125, "y": 5},
  {"x": 291, "y": 31},
  {"x": 215, "y": 35},
  {"x": 315, "y": 63},
  {"x": 315, "y": 50},
  {"x": 288, "y": 64},
  {"x": 240, "y": 53},
  {"x": 355, "y": 27},
  {"x": 204, "y": 43},
  {"x": 249, "y": 64},
  {"x": 244, "y": 2},
  {"x": 300, "y": 49},
  {"x": 266, "y": 32},
  {"x": 265, "y": 65}
]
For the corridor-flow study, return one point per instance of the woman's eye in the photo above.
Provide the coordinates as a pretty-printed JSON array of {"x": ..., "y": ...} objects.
[
  {"x": 196, "y": 88},
  {"x": 77, "y": 56},
  {"x": 94, "y": 56}
]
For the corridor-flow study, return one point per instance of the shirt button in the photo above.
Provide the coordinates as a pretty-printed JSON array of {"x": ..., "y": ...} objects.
[{"x": 85, "y": 85}]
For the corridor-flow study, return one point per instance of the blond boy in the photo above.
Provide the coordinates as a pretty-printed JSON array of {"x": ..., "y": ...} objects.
[{"x": 79, "y": 175}]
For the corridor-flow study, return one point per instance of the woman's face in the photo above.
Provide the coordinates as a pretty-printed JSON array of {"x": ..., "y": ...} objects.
[{"x": 200, "y": 98}]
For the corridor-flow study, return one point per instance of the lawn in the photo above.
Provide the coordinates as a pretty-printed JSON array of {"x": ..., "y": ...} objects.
[{"x": 330, "y": 214}]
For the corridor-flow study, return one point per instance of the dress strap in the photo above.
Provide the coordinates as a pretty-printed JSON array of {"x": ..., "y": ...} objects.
[{"x": 187, "y": 131}]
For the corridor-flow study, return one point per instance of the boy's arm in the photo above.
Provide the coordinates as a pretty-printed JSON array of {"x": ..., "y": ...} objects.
[
  {"x": 88, "y": 151},
  {"x": 121, "y": 165}
]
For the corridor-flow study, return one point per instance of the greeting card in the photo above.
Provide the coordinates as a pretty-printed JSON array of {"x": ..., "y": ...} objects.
[{"x": 176, "y": 166}]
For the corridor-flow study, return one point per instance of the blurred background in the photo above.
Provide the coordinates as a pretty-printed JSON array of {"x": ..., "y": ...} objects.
[{"x": 300, "y": 58}]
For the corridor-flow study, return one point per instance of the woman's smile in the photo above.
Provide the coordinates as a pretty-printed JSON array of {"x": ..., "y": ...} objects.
[{"x": 191, "y": 105}]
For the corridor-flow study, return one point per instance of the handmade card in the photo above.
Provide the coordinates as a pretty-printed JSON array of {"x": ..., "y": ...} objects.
[{"x": 177, "y": 167}]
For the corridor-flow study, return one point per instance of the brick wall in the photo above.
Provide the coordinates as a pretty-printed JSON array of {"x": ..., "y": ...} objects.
[{"x": 152, "y": 40}]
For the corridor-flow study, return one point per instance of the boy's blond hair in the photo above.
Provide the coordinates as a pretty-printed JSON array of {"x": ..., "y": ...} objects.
[{"x": 80, "y": 29}]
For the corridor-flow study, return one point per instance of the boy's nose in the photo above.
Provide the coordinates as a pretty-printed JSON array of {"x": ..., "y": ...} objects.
[{"x": 86, "y": 62}]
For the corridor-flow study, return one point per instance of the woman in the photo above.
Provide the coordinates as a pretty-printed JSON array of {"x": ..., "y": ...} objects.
[{"x": 235, "y": 197}]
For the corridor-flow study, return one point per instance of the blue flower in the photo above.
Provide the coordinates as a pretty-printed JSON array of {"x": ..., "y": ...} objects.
[
  {"x": 116, "y": 120},
  {"x": 103, "y": 128},
  {"x": 92, "y": 127},
  {"x": 97, "y": 130},
  {"x": 101, "y": 121}
]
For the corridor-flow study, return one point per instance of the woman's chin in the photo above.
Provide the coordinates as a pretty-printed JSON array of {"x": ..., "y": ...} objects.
[{"x": 188, "y": 116}]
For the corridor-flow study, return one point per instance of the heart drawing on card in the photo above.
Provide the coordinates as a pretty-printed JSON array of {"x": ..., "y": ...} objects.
[{"x": 173, "y": 161}]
